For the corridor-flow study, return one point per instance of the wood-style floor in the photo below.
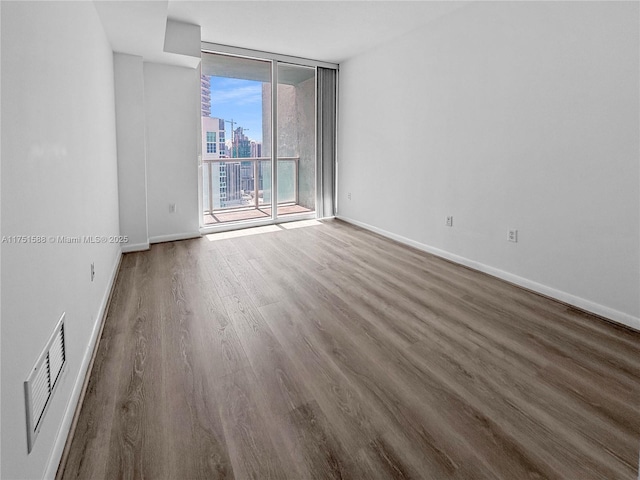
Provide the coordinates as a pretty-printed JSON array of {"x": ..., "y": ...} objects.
[{"x": 330, "y": 352}]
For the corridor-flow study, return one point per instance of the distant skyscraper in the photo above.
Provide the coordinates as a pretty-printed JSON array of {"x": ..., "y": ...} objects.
[
  {"x": 241, "y": 148},
  {"x": 241, "y": 144},
  {"x": 256, "y": 149},
  {"x": 233, "y": 194},
  {"x": 205, "y": 91}
]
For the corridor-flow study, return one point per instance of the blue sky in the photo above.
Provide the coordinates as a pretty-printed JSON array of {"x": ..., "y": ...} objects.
[{"x": 240, "y": 100}]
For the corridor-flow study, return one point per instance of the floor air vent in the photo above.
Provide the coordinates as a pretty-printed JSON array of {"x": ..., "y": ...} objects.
[{"x": 44, "y": 377}]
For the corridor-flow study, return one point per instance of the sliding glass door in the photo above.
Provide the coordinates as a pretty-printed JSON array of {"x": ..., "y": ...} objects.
[
  {"x": 296, "y": 139},
  {"x": 252, "y": 172},
  {"x": 236, "y": 161}
]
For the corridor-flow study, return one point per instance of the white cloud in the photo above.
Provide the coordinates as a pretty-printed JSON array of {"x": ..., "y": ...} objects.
[{"x": 238, "y": 95}]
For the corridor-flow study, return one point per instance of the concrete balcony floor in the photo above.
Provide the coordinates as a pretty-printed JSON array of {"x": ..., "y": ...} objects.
[{"x": 251, "y": 213}]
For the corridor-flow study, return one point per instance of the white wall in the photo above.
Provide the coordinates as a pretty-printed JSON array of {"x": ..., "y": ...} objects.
[
  {"x": 132, "y": 169},
  {"x": 58, "y": 178},
  {"x": 172, "y": 106},
  {"x": 506, "y": 115}
]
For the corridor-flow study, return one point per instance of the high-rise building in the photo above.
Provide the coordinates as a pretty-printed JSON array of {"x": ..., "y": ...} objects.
[
  {"x": 205, "y": 93},
  {"x": 222, "y": 180},
  {"x": 230, "y": 188},
  {"x": 213, "y": 138},
  {"x": 256, "y": 149},
  {"x": 241, "y": 144},
  {"x": 246, "y": 176},
  {"x": 241, "y": 148}
]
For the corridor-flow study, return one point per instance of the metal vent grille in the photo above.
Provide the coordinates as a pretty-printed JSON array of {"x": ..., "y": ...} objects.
[{"x": 39, "y": 387}]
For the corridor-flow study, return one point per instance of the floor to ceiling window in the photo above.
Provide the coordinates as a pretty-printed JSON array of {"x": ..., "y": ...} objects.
[
  {"x": 236, "y": 116},
  {"x": 260, "y": 155}
]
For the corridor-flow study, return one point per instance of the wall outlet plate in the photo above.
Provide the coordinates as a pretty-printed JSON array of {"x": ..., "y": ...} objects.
[
  {"x": 512, "y": 235},
  {"x": 449, "y": 221}
]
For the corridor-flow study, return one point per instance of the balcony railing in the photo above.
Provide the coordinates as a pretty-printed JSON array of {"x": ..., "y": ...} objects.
[{"x": 237, "y": 183}]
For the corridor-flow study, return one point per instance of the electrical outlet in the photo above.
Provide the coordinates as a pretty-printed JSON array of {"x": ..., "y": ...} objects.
[
  {"x": 349, "y": 195},
  {"x": 449, "y": 221},
  {"x": 93, "y": 271},
  {"x": 512, "y": 235},
  {"x": 172, "y": 208}
]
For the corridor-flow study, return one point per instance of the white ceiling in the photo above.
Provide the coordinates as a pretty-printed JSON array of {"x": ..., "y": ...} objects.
[{"x": 330, "y": 31}]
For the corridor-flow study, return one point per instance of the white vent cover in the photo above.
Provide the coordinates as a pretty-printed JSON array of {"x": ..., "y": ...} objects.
[{"x": 39, "y": 387}]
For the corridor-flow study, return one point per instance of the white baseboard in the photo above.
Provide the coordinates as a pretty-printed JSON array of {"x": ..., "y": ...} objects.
[
  {"x": 601, "y": 310},
  {"x": 135, "y": 247},
  {"x": 173, "y": 237},
  {"x": 65, "y": 426}
]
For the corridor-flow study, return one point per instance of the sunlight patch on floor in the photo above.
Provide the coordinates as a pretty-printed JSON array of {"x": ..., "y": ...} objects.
[
  {"x": 300, "y": 224},
  {"x": 212, "y": 237}
]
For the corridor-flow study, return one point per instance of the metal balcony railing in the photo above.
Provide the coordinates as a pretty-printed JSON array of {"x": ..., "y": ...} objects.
[{"x": 228, "y": 176}]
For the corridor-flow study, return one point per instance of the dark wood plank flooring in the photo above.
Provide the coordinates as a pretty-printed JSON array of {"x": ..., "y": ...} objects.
[{"x": 331, "y": 352}]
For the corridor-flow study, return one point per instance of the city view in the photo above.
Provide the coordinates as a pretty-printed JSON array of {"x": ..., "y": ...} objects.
[
  {"x": 233, "y": 183},
  {"x": 236, "y": 143}
]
